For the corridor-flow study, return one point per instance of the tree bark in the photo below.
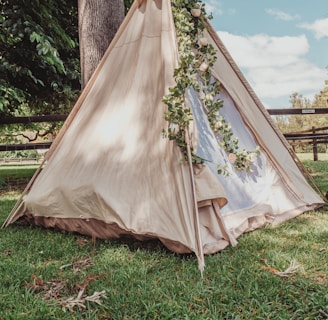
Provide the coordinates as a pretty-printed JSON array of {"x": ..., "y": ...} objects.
[{"x": 98, "y": 23}]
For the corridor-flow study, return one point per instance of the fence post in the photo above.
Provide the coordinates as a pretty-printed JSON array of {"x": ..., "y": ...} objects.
[{"x": 315, "y": 148}]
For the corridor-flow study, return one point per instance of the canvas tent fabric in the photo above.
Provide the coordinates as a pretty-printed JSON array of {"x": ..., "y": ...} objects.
[{"x": 110, "y": 173}]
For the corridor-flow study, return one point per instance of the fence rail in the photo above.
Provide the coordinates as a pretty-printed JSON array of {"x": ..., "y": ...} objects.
[
  {"x": 305, "y": 111},
  {"x": 310, "y": 136},
  {"x": 305, "y": 136},
  {"x": 33, "y": 119},
  {"x": 28, "y": 120},
  {"x": 25, "y": 146}
]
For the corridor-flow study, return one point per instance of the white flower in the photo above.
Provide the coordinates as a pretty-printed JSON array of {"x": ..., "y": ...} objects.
[
  {"x": 217, "y": 126},
  {"x": 251, "y": 157},
  {"x": 174, "y": 127},
  {"x": 196, "y": 12},
  {"x": 203, "y": 41},
  {"x": 203, "y": 67}
]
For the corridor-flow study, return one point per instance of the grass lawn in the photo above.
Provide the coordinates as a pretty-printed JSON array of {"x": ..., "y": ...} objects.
[
  {"x": 15, "y": 176},
  {"x": 48, "y": 274},
  {"x": 309, "y": 156}
]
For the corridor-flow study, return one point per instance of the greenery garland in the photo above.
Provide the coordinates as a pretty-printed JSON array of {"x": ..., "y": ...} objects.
[{"x": 196, "y": 58}]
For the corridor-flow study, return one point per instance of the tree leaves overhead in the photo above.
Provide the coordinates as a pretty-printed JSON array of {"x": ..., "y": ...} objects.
[
  {"x": 127, "y": 4},
  {"x": 39, "y": 63}
]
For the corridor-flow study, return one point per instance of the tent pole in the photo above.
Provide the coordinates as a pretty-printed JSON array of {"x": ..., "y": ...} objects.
[{"x": 200, "y": 254}]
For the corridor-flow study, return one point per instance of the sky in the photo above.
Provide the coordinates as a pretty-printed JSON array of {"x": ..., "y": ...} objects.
[{"x": 281, "y": 46}]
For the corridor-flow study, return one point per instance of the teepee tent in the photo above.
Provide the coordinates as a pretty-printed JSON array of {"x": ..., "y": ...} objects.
[{"x": 111, "y": 173}]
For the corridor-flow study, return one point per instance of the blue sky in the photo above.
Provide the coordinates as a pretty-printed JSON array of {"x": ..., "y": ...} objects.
[{"x": 280, "y": 45}]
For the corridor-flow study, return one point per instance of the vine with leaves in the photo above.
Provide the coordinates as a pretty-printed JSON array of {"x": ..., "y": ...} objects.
[{"x": 196, "y": 58}]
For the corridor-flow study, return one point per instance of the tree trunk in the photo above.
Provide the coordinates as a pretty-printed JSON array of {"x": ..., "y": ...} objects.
[{"x": 98, "y": 23}]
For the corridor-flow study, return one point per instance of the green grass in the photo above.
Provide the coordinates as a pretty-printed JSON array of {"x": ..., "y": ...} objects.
[
  {"x": 142, "y": 280},
  {"x": 15, "y": 176},
  {"x": 318, "y": 170},
  {"x": 309, "y": 156}
]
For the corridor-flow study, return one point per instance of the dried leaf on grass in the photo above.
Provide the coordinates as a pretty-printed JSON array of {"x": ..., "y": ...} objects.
[
  {"x": 7, "y": 252},
  {"x": 71, "y": 302},
  {"x": 51, "y": 289},
  {"x": 324, "y": 314},
  {"x": 65, "y": 266},
  {"x": 271, "y": 269},
  {"x": 321, "y": 279},
  {"x": 82, "y": 264},
  {"x": 80, "y": 300},
  {"x": 37, "y": 284},
  {"x": 78, "y": 265},
  {"x": 293, "y": 267},
  {"x": 82, "y": 241},
  {"x": 55, "y": 289},
  {"x": 90, "y": 279}
]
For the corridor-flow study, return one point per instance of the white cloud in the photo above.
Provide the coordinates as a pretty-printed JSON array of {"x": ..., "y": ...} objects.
[
  {"x": 212, "y": 6},
  {"x": 319, "y": 27},
  {"x": 275, "y": 66},
  {"x": 280, "y": 15},
  {"x": 262, "y": 50}
]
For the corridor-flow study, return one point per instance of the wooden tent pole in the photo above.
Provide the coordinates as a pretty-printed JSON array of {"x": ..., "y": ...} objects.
[{"x": 200, "y": 253}]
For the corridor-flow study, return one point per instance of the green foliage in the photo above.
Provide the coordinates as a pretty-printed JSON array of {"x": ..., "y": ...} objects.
[
  {"x": 196, "y": 58},
  {"x": 127, "y": 5},
  {"x": 27, "y": 133},
  {"x": 38, "y": 57}
]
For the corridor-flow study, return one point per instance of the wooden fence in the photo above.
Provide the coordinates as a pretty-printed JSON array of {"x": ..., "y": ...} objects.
[
  {"x": 28, "y": 120},
  {"x": 312, "y": 136}
]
